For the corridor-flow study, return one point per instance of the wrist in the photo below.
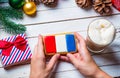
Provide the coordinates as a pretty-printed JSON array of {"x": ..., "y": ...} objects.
[{"x": 100, "y": 74}]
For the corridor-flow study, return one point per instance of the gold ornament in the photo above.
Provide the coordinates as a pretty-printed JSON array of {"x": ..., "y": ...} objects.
[{"x": 29, "y": 8}]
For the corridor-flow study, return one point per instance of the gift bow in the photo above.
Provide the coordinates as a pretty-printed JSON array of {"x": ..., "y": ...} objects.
[{"x": 19, "y": 43}]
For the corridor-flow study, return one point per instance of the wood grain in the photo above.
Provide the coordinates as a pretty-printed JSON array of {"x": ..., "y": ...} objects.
[{"x": 66, "y": 17}]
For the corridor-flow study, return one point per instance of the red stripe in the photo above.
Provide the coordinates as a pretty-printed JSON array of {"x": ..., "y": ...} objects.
[
  {"x": 6, "y": 57},
  {"x": 25, "y": 54},
  {"x": 50, "y": 45},
  {"x": 18, "y": 56},
  {"x": 30, "y": 56},
  {"x": 14, "y": 53},
  {"x": 4, "y": 60},
  {"x": 20, "y": 53}
]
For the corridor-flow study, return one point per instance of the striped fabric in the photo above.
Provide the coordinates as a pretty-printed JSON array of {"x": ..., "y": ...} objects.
[
  {"x": 0, "y": 53},
  {"x": 16, "y": 55},
  {"x": 59, "y": 44}
]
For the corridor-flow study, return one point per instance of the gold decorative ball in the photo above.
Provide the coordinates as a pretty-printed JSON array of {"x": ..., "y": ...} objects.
[{"x": 29, "y": 8}]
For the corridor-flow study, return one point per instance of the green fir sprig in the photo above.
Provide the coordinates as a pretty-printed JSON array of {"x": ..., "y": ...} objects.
[{"x": 8, "y": 13}]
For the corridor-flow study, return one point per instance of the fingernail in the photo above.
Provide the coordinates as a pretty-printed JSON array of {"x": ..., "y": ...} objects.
[
  {"x": 68, "y": 54},
  {"x": 58, "y": 55}
]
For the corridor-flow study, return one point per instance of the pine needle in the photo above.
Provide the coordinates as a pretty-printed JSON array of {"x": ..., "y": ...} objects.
[
  {"x": 9, "y": 12},
  {"x": 6, "y": 13}
]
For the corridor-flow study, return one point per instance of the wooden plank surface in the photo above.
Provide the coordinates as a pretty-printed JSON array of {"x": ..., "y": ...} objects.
[{"x": 66, "y": 17}]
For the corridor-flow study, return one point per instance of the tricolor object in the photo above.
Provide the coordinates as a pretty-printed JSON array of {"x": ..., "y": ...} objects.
[
  {"x": 14, "y": 51},
  {"x": 60, "y": 43}
]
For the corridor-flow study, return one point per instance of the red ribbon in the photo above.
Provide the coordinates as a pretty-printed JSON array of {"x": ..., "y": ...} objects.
[{"x": 19, "y": 43}]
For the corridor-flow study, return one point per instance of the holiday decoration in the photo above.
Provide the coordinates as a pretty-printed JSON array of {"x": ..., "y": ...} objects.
[
  {"x": 103, "y": 7},
  {"x": 62, "y": 44},
  {"x": 29, "y": 8},
  {"x": 15, "y": 50},
  {"x": 116, "y": 4},
  {"x": 50, "y": 3},
  {"x": 17, "y": 4},
  {"x": 84, "y": 3},
  {"x": 7, "y": 13}
]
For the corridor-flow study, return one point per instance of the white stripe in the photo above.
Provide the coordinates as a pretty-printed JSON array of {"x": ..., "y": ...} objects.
[
  {"x": 29, "y": 55},
  {"x": 23, "y": 35},
  {"x": 0, "y": 52},
  {"x": 26, "y": 57},
  {"x": 61, "y": 43},
  {"x": 25, "y": 52},
  {"x": 13, "y": 53},
  {"x": 10, "y": 40},
  {"x": 14, "y": 37}
]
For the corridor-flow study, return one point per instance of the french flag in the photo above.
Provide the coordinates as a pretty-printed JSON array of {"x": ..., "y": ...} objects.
[{"x": 59, "y": 44}]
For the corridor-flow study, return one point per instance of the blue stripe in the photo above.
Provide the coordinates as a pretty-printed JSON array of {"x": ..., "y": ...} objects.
[
  {"x": 15, "y": 56},
  {"x": 26, "y": 51},
  {"x": 14, "y": 39},
  {"x": 10, "y": 56},
  {"x": 4, "y": 56},
  {"x": 22, "y": 54},
  {"x": 70, "y": 41},
  {"x": 8, "y": 39},
  {"x": 12, "y": 48},
  {"x": 28, "y": 54},
  {"x": 0, "y": 52}
]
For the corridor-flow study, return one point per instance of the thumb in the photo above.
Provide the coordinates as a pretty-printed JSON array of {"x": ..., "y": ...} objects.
[
  {"x": 72, "y": 59},
  {"x": 53, "y": 61}
]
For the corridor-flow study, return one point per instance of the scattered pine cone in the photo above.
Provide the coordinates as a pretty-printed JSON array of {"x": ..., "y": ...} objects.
[
  {"x": 36, "y": 1},
  {"x": 84, "y": 3},
  {"x": 50, "y": 3},
  {"x": 103, "y": 7}
]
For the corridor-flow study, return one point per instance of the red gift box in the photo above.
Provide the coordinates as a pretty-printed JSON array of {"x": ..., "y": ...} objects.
[{"x": 15, "y": 50}]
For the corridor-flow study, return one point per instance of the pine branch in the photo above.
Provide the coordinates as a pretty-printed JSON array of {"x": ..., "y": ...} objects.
[
  {"x": 6, "y": 13},
  {"x": 9, "y": 12},
  {"x": 12, "y": 27}
]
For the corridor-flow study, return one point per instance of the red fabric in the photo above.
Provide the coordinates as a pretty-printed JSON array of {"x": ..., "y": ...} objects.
[
  {"x": 50, "y": 45},
  {"x": 19, "y": 43},
  {"x": 116, "y": 4}
]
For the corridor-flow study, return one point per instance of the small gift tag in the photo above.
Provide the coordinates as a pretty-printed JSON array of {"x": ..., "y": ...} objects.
[{"x": 15, "y": 50}]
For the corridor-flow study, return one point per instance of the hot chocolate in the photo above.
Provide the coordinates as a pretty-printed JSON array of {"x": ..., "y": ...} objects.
[{"x": 101, "y": 33}]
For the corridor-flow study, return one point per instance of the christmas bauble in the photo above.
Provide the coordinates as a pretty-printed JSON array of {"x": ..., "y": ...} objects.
[
  {"x": 29, "y": 8},
  {"x": 16, "y": 3}
]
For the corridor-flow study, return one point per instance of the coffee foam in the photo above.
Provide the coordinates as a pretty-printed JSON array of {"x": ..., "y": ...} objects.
[{"x": 101, "y": 32}]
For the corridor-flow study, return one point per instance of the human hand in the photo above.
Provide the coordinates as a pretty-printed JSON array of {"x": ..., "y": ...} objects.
[
  {"x": 83, "y": 61},
  {"x": 39, "y": 68}
]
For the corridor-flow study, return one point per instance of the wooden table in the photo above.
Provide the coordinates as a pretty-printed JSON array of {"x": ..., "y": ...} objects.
[{"x": 66, "y": 17}]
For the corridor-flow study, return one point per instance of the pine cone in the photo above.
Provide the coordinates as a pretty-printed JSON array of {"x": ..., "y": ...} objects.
[
  {"x": 84, "y": 3},
  {"x": 103, "y": 7},
  {"x": 36, "y": 1},
  {"x": 51, "y": 3}
]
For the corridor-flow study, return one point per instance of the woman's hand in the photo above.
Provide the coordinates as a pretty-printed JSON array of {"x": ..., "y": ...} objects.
[
  {"x": 83, "y": 61},
  {"x": 39, "y": 68}
]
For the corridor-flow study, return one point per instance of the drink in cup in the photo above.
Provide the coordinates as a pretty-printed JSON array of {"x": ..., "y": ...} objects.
[{"x": 100, "y": 34}]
